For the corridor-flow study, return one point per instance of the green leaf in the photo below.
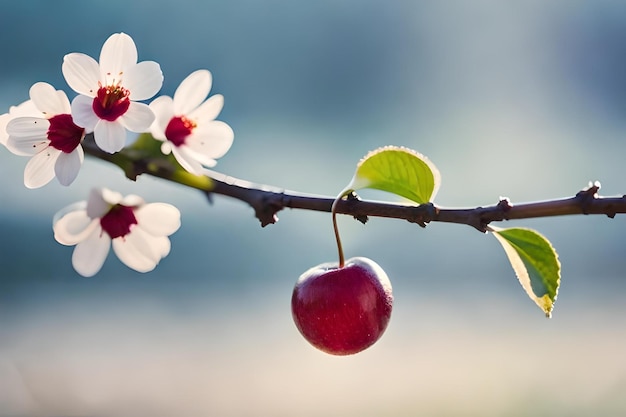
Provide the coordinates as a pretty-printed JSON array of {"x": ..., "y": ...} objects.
[
  {"x": 397, "y": 170},
  {"x": 535, "y": 263}
]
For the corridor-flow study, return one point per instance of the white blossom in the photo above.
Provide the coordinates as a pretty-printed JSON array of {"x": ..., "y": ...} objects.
[
  {"x": 186, "y": 124},
  {"x": 137, "y": 231},
  {"x": 50, "y": 137},
  {"x": 109, "y": 91}
]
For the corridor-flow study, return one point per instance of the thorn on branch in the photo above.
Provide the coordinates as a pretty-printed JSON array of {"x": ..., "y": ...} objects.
[
  {"x": 351, "y": 199},
  {"x": 591, "y": 190},
  {"x": 505, "y": 204},
  {"x": 266, "y": 211},
  {"x": 612, "y": 213},
  {"x": 587, "y": 195}
]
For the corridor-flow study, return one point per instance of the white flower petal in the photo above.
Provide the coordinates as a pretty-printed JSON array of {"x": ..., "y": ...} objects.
[
  {"x": 192, "y": 91},
  {"x": 161, "y": 245},
  {"x": 28, "y": 127},
  {"x": 143, "y": 80},
  {"x": 100, "y": 202},
  {"x": 138, "y": 118},
  {"x": 27, "y": 135},
  {"x": 74, "y": 227},
  {"x": 164, "y": 246},
  {"x": 4, "y": 120},
  {"x": 82, "y": 73},
  {"x": 212, "y": 140},
  {"x": 209, "y": 110},
  {"x": 158, "y": 219},
  {"x": 27, "y": 146},
  {"x": 132, "y": 200},
  {"x": 163, "y": 109},
  {"x": 78, "y": 206},
  {"x": 83, "y": 114},
  {"x": 189, "y": 160},
  {"x": 25, "y": 109},
  {"x": 48, "y": 100},
  {"x": 68, "y": 165},
  {"x": 109, "y": 136},
  {"x": 40, "y": 169},
  {"x": 140, "y": 251},
  {"x": 150, "y": 246},
  {"x": 97, "y": 206},
  {"x": 118, "y": 54},
  {"x": 90, "y": 254},
  {"x": 111, "y": 197}
]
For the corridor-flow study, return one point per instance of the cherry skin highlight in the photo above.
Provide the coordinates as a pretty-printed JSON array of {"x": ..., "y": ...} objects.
[{"x": 342, "y": 311}]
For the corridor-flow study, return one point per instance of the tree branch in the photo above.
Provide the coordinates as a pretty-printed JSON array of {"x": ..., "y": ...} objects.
[{"x": 267, "y": 201}]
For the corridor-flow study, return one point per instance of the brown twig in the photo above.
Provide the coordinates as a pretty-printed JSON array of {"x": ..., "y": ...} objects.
[{"x": 267, "y": 201}]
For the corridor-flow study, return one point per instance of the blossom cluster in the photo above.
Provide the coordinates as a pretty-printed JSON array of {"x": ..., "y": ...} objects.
[{"x": 110, "y": 101}]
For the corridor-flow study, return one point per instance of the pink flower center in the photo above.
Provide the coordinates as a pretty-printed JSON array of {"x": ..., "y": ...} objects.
[
  {"x": 178, "y": 129},
  {"x": 118, "y": 221},
  {"x": 63, "y": 134},
  {"x": 111, "y": 102}
]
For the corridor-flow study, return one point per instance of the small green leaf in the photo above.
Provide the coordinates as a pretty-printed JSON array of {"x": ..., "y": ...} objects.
[
  {"x": 397, "y": 170},
  {"x": 535, "y": 263}
]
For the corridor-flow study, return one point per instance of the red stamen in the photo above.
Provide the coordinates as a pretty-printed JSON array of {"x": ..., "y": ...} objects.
[
  {"x": 111, "y": 102},
  {"x": 178, "y": 129},
  {"x": 63, "y": 134},
  {"x": 118, "y": 221}
]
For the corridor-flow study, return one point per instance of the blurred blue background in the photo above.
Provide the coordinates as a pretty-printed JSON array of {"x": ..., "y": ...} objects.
[{"x": 524, "y": 99}]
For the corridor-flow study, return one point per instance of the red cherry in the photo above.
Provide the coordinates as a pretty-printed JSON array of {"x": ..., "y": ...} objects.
[{"x": 344, "y": 310}]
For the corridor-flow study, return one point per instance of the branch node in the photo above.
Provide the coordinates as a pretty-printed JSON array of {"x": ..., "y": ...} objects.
[
  {"x": 267, "y": 208},
  {"x": 478, "y": 221},
  {"x": 423, "y": 214},
  {"x": 588, "y": 195},
  {"x": 505, "y": 204},
  {"x": 352, "y": 200},
  {"x": 267, "y": 214},
  {"x": 591, "y": 190},
  {"x": 482, "y": 226}
]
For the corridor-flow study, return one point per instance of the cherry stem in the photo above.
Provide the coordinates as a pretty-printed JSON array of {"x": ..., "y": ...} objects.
[{"x": 333, "y": 211}]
